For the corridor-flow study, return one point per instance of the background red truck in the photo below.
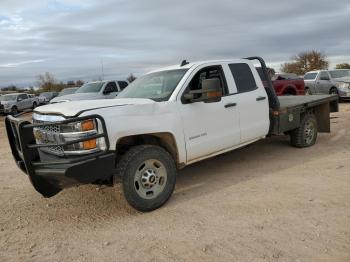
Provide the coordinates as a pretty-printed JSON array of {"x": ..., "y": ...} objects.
[{"x": 284, "y": 84}]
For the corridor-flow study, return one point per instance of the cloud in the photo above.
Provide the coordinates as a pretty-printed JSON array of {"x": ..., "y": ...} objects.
[{"x": 72, "y": 38}]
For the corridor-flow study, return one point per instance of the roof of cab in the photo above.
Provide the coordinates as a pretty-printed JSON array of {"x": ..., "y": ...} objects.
[{"x": 198, "y": 63}]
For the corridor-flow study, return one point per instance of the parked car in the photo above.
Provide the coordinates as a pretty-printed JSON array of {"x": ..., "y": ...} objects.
[
  {"x": 284, "y": 84},
  {"x": 46, "y": 97},
  {"x": 94, "y": 90},
  {"x": 68, "y": 91},
  {"x": 15, "y": 102},
  {"x": 164, "y": 121},
  {"x": 35, "y": 100},
  {"x": 329, "y": 82}
]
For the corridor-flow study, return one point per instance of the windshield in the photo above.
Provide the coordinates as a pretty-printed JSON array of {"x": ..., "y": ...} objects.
[
  {"x": 157, "y": 86},
  {"x": 8, "y": 98},
  {"x": 340, "y": 73},
  {"x": 67, "y": 91},
  {"x": 90, "y": 88},
  {"x": 310, "y": 76}
]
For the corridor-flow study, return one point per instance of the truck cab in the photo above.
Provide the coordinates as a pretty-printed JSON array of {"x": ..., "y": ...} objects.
[
  {"x": 106, "y": 89},
  {"x": 164, "y": 121}
]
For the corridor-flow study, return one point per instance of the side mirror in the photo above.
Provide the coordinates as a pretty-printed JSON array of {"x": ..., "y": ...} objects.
[{"x": 211, "y": 92}]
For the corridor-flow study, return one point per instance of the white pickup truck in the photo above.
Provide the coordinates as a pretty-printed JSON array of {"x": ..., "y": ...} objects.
[{"x": 164, "y": 121}]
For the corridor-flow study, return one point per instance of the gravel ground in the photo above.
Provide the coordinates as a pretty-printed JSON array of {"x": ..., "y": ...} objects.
[{"x": 265, "y": 202}]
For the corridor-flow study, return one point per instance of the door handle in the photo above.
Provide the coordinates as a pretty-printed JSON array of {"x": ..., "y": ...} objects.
[
  {"x": 260, "y": 98},
  {"x": 230, "y": 105}
]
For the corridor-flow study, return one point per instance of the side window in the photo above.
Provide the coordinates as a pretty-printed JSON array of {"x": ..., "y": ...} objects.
[
  {"x": 23, "y": 96},
  {"x": 122, "y": 84},
  {"x": 324, "y": 76},
  {"x": 243, "y": 77},
  {"x": 210, "y": 72},
  {"x": 112, "y": 86}
]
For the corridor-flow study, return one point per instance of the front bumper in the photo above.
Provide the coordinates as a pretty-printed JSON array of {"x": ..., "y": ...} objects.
[
  {"x": 344, "y": 95},
  {"x": 48, "y": 174}
]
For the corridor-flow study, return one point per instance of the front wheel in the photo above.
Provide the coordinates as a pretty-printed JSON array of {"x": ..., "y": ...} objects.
[
  {"x": 148, "y": 176},
  {"x": 306, "y": 134}
]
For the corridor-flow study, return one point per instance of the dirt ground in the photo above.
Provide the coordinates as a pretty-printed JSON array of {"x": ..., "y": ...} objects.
[{"x": 265, "y": 202}]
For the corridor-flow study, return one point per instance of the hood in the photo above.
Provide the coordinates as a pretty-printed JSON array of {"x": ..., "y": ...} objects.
[
  {"x": 77, "y": 97},
  {"x": 7, "y": 102},
  {"x": 74, "y": 108},
  {"x": 343, "y": 79}
]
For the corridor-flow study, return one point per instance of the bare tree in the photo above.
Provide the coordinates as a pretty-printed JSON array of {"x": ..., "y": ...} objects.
[
  {"x": 47, "y": 82},
  {"x": 131, "y": 78},
  {"x": 343, "y": 66},
  {"x": 305, "y": 62}
]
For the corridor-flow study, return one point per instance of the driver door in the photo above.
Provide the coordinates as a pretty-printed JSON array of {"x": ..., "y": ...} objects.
[
  {"x": 323, "y": 83},
  {"x": 22, "y": 101},
  {"x": 209, "y": 127}
]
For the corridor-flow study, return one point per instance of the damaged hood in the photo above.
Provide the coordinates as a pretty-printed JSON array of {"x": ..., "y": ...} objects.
[{"x": 74, "y": 108}]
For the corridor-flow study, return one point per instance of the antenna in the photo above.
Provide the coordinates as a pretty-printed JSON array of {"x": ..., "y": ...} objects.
[
  {"x": 102, "y": 69},
  {"x": 184, "y": 62}
]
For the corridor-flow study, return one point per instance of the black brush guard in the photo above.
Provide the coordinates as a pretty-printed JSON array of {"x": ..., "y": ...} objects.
[{"x": 49, "y": 177}]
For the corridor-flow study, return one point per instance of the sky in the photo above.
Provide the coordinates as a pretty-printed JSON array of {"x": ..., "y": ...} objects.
[{"x": 72, "y": 39}]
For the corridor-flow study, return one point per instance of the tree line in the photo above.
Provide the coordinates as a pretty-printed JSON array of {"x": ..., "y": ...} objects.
[{"x": 301, "y": 63}]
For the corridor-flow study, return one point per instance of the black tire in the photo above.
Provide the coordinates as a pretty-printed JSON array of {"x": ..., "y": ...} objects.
[
  {"x": 34, "y": 105},
  {"x": 306, "y": 134},
  {"x": 14, "y": 110},
  {"x": 131, "y": 164}
]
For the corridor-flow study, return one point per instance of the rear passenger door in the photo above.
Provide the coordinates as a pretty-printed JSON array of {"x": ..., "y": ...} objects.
[{"x": 252, "y": 102}]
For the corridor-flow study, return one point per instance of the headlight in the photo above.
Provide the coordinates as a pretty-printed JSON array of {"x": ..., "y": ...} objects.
[
  {"x": 65, "y": 134},
  {"x": 80, "y": 130},
  {"x": 343, "y": 85}
]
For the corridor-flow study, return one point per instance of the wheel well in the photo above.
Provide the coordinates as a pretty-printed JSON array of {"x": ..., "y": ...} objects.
[
  {"x": 165, "y": 140},
  {"x": 290, "y": 90},
  {"x": 332, "y": 88}
]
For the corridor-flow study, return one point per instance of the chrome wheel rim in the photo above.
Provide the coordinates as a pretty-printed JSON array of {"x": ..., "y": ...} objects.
[
  {"x": 309, "y": 132},
  {"x": 150, "y": 179}
]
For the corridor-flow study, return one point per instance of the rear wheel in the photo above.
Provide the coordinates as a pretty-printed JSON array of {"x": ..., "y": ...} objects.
[
  {"x": 148, "y": 176},
  {"x": 306, "y": 134}
]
